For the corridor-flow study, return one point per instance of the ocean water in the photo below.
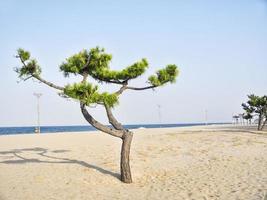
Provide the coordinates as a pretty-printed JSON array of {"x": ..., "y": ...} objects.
[{"x": 54, "y": 129}]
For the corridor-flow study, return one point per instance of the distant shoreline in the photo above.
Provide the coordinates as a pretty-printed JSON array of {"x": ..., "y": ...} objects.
[{"x": 85, "y": 128}]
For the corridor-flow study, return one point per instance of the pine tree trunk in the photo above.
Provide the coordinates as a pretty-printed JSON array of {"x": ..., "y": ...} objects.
[
  {"x": 263, "y": 124},
  {"x": 259, "y": 123},
  {"x": 125, "y": 135},
  {"x": 126, "y": 176}
]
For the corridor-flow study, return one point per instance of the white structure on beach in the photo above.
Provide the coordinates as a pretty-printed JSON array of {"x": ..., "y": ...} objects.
[{"x": 38, "y": 95}]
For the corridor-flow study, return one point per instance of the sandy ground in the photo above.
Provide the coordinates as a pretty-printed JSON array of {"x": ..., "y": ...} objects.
[{"x": 214, "y": 162}]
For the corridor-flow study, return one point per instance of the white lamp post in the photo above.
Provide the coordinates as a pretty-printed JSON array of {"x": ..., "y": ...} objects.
[
  {"x": 159, "y": 107},
  {"x": 38, "y": 95}
]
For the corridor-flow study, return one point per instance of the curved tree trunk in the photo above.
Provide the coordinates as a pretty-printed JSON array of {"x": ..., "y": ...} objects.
[
  {"x": 126, "y": 176},
  {"x": 263, "y": 124},
  {"x": 124, "y": 134},
  {"x": 259, "y": 122}
]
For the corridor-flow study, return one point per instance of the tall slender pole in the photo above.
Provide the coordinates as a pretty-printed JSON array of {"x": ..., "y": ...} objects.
[
  {"x": 159, "y": 106},
  {"x": 206, "y": 117},
  {"x": 38, "y": 95}
]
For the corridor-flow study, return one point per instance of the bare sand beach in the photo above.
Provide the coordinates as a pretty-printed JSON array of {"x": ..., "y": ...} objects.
[{"x": 212, "y": 162}]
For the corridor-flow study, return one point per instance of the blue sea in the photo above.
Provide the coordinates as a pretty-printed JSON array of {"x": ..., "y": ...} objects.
[{"x": 54, "y": 129}]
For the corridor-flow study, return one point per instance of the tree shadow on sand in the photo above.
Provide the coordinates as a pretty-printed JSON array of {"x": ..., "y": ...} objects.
[{"x": 16, "y": 153}]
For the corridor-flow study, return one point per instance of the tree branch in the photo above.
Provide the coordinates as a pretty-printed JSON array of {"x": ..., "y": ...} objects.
[
  {"x": 39, "y": 78},
  {"x": 87, "y": 62},
  {"x": 142, "y": 88},
  {"x": 108, "y": 81},
  {"x": 85, "y": 75},
  {"x": 98, "y": 125},
  {"x": 21, "y": 60},
  {"x": 125, "y": 87},
  {"x": 48, "y": 83},
  {"x": 112, "y": 119},
  {"x": 120, "y": 91}
]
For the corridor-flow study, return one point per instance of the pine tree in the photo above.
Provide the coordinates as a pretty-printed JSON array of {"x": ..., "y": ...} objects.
[
  {"x": 95, "y": 64},
  {"x": 256, "y": 105}
]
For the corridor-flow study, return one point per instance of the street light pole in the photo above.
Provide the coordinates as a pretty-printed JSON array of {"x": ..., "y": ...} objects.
[
  {"x": 38, "y": 95},
  {"x": 159, "y": 107},
  {"x": 206, "y": 117}
]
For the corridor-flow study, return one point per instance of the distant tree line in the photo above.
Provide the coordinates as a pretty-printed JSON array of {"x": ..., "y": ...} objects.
[{"x": 256, "y": 106}]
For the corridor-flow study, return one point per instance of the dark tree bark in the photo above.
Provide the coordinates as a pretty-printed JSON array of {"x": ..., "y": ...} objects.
[
  {"x": 126, "y": 176},
  {"x": 119, "y": 132},
  {"x": 98, "y": 125},
  {"x": 263, "y": 124},
  {"x": 112, "y": 120},
  {"x": 48, "y": 83},
  {"x": 259, "y": 122}
]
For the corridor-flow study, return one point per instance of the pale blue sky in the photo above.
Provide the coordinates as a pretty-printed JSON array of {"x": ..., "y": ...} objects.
[{"x": 219, "y": 46}]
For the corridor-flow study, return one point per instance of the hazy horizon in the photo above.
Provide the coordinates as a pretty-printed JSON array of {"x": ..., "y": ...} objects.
[{"x": 219, "y": 47}]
